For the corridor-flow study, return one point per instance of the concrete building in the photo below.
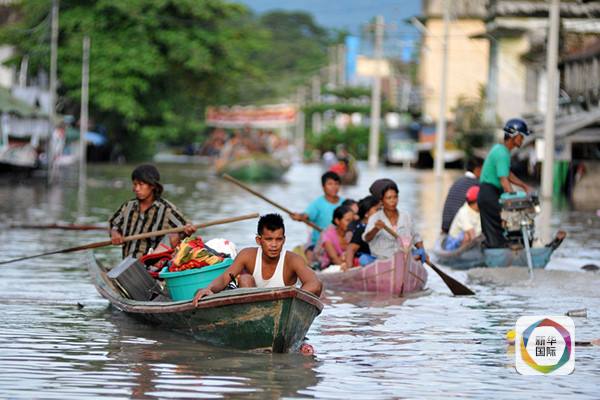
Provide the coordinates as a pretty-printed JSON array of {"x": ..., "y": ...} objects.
[
  {"x": 468, "y": 57},
  {"x": 517, "y": 34}
]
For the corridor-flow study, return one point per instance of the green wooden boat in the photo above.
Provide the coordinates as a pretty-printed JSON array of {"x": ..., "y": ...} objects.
[
  {"x": 247, "y": 319},
  {"x": 254, "y": 168}
]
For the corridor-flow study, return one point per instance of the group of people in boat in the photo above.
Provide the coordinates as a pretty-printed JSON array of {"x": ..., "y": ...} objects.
[
  {"x": 472, "y": 207},
  {"x": 347, "y": 233},
  {"x": 245, "y": 142},
  {"x": 352, "y": 233},
  {"x": 264, "y": 266}
]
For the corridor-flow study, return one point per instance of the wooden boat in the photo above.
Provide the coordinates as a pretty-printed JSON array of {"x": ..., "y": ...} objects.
[
  {"x": 247, "y": 319},
  {"x": 466, "y": 256},
  {"x": 397, "y": 276},
  {"x": 475, "y": 255},
  {"x": 253, "y": 168},
  {"x": 350, "y": 177},
  {"x": 350, "y": 174}
]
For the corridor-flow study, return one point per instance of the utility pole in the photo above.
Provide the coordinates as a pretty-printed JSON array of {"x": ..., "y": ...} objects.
[
  {"x": 316, "y": 98},
  {"x": 440, "y": 131},
  {"x": 332, "y": 67},
  {"x": 341, "y": 65},
  {"x": 376, "y": 95},
  {"x": 300, "y": 121},
  {"x": 552, "y": 94},
  {"x": 83, "y": 118},
  {"x": 52, "y": 89}
]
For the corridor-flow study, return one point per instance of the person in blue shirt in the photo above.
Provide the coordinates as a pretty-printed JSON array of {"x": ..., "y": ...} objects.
[{"x": 320, "y": 211}]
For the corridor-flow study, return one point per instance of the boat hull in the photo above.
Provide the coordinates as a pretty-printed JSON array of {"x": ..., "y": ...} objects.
[
  {"x": 398, "y": 276},
  {"x": 274, "y": 320},
  {"x": 475, "y": 255}
]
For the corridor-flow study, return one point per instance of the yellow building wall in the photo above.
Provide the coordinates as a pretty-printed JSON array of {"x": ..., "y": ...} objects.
[{"x": 467, "y": 64}]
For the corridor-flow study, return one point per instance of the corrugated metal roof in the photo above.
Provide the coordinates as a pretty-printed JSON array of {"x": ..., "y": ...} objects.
[{"x": 540, "y": 9}]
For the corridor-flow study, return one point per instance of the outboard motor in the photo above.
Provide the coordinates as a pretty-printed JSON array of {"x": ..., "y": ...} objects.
[{"x": 518, "y": 213}]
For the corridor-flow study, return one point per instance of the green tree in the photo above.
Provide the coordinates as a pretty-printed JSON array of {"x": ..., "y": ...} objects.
[
  {"x": 297, "y": 49},
  {"x": 154, "y": 64}
]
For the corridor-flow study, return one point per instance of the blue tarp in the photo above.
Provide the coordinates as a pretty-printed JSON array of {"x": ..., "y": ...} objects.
[{"x": 95, "y": 138}]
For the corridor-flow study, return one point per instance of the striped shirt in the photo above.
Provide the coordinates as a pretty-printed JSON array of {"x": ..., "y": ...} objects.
[
  {"x": 128, "y": 220},
  {"x": 456, "y": 198}
]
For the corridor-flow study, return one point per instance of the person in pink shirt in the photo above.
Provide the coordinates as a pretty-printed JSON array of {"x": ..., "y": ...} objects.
[{"x": 333, "y": 241}]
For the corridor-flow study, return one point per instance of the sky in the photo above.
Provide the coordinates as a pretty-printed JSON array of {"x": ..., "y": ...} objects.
[{"x": 352, "y": 15}]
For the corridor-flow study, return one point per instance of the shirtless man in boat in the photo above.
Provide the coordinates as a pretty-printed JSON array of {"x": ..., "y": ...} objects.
[{"x": 265, "y": 266}]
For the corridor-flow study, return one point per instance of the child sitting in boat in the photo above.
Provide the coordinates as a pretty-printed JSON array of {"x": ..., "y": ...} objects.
[
  {"x": 358, "y": 251},
  {"x": 267, "y": 266},
  {"x": 466, "y": 225},
  {"x": 333, "y": 242},
  {"x": 381, "y": 242}
]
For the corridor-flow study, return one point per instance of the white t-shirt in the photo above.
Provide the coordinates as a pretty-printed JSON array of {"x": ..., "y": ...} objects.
[{"x": 466, "y": 219}]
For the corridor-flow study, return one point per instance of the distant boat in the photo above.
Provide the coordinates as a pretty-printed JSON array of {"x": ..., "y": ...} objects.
[
  {"x": 170, "y": 158},
  {"x": 346, "y": 169},
  {"x": 274, "y": 320},
  {"x": 23, "y": 158},
  {"x": 255, "y": 167},
  {"x": 397, "y": 276}
]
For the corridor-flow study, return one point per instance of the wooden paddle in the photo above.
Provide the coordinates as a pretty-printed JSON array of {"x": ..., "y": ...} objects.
[
  {"x": 67, "y": 227},
  {"x": 254, "y": 192},
  {"x": 457, "y": 288},
  {"x": 135, "y": 237}
]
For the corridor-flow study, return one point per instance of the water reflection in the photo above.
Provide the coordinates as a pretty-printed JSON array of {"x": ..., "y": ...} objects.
[{"x": 170, "y": 365}]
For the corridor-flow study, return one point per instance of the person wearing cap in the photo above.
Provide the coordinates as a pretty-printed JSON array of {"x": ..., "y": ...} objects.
[
  {"x": 466, "y": 225},
  {"x": 148, "y": 212},
  {"x": 497, "y": 178}
]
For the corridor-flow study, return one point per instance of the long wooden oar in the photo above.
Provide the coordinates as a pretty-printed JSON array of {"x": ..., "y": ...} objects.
[
  {"x": 260, "y": 195},
  {"x": 457, "y": 288},
  {"x": 66, "y": 227},
  {"x": 135, "y": 237}
]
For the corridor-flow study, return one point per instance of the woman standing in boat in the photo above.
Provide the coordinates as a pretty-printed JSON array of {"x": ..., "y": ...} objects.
[
  {"x": 148, "y": 212},
  {"x": 382, "y": 243}
]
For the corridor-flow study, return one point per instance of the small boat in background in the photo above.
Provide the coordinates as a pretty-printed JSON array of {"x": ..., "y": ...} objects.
[
  {"x": 344, "y": 165},
  {"x": 350, "y": 177},
  {"x": 273, "y": 320},
  {"x": 397, "y": 276},
  {"x": 253, "y": 168}
]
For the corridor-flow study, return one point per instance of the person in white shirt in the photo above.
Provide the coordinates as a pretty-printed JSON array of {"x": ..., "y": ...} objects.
[
  {"x": 466, "y": 225},
  {"x": 382, "y": 243}
]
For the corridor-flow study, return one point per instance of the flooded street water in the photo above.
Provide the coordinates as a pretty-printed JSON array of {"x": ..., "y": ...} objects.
[{"x": 59, "y": 339}]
